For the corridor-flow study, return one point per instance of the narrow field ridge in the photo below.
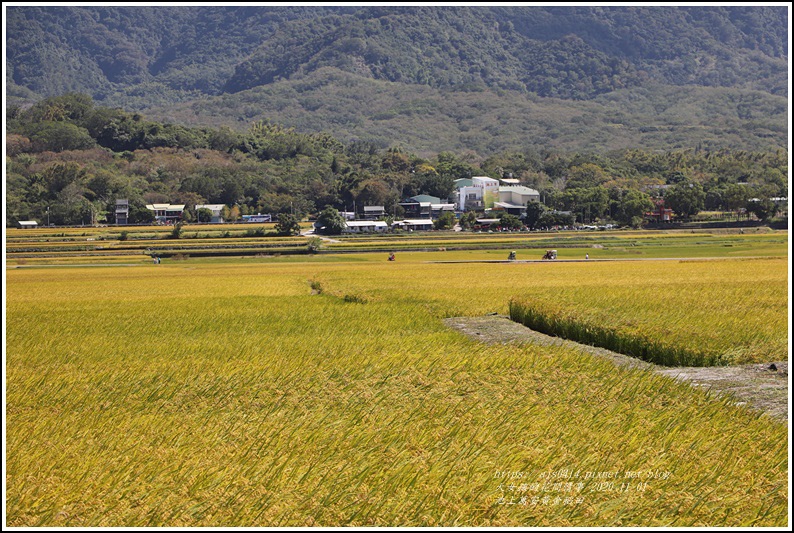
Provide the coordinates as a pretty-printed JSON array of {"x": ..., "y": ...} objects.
[{"x": 761, "y": 386}]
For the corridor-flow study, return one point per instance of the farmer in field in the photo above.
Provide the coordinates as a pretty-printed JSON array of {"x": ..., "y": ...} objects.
[{"x": 391, "y": 256}]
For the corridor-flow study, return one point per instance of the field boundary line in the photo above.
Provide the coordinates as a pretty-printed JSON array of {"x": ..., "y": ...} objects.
[{"x": 761, "y": 386}]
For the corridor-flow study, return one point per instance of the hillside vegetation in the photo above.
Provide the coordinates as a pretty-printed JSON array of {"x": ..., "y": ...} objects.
[
  {"x": 482, "y": 121},
  {"x": 429, "y": 79},
  {"x": 564, "y": 52},
  {"x": 69, "y": 160}
]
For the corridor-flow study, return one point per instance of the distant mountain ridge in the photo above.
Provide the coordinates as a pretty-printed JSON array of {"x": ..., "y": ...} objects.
[
  {"x": 566, "y": 52},
  {"x": 479, "y": 78}
]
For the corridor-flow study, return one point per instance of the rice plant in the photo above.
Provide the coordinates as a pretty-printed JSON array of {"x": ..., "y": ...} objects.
[{"x": 228, "y": 394}]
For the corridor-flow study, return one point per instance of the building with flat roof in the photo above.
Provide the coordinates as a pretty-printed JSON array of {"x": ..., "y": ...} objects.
[
  {"x": 481, "y": 194},
  {"x": 217, "y": 212},
  {"x": 419, "y": 206},
  {"x": 167, "y": 213},
  {"x": 122, "y": 211},
  {"x": 374, "y": 212},
  {"x": 513, "y": 199},
  {"x": 365, "y": 226},
  {"x": 414, "y": 224}
]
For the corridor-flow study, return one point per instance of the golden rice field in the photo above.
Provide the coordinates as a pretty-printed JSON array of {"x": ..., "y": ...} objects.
[
  {"x": 98, "y": 245},
  {"x": 327, "y": 392},
  {"x": 687, "y": 314}
]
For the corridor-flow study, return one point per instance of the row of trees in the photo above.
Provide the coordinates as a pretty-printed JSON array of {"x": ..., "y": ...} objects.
[{"x": 71, "y": 160}]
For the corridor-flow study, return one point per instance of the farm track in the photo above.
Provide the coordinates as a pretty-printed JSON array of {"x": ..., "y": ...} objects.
[
  {"x": 609, "y": 260},
  {"x": 762, "y": 387}
]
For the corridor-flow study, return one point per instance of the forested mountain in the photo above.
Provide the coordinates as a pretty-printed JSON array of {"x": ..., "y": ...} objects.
[
  {"x": 433, "y": 78},
  {"x": 564, "y": 52},
  {"x": 429, "y": 120},
  {"x": 474, "y": 80},
  {"x": 68, "y": 159},
  {"x": 107, "y": 50},
  {"x": 568, "y": 52}
]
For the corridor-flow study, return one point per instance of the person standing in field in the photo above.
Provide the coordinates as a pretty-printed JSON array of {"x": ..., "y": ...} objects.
[{"x": 587, "y": 256}]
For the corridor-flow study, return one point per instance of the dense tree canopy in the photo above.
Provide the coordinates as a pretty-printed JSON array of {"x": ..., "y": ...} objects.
[{"x": 276, "y": 170}]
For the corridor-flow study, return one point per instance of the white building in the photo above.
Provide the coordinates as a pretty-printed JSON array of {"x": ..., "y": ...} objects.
[
  {"x": 217, "y": 211},
  {"x": 481, "y": 194},
  {"x": 365, "y": 226},
  {"x": 414, "y": 224},
  {"x": 259, "y": 217},
  {"x": 167, "y": 213}
]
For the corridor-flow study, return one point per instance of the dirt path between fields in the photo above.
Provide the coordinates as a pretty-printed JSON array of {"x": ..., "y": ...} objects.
[{"x": 761, "y": 386}]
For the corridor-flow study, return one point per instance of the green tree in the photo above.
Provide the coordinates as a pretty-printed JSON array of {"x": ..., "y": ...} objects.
[
  {"x": 139, "y": 214},
  {"x": 686, "y": 199},
  {"x": 535, "y": 213},
  {"x": 509, "y": 221},
  {"x": 468, "y": 220},
  {"x": 428, "y": 181},
  {"x": 446, "y": 220},
  {"x": 590, "y": 204},
  {"x": 314, "y": 244},
  {"x": 735, "y": 197},
  {"x": 204, "y": 215},
  {"x": 586, "y": 176},
  {"x": 631, "y": 204},
  {"x": 330, "y": 222},
  {"x": 287, "y": 224},
  {"x": 176, "y": 232},
  {"x": 765, "y": 209}
]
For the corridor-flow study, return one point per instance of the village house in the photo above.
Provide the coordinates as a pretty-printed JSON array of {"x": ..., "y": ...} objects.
[
  {"x": 374, "y": 212},
  {"x": 365, "y": 226},
  {"x": 514, "y": 198},
  {"x": 413, "y": 224},
  {"x": 217, "y": 212},
  {"x": 122, "y": 211},
  {"x": 419, "y": 206},
  {"x": 480, "y": 194},
  {"x": 167, "y": 213}
]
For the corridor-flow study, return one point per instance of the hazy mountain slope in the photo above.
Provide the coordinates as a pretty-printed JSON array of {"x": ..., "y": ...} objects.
[
  {"x": 428, "y": 120},
  {"x": 440, "y": 47},
  {"x": 736, "y": 46},
  {"x": 430, "y": 78},
  {"x": 568, "y": 52},
  {"x": 98, "y": 50}
]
